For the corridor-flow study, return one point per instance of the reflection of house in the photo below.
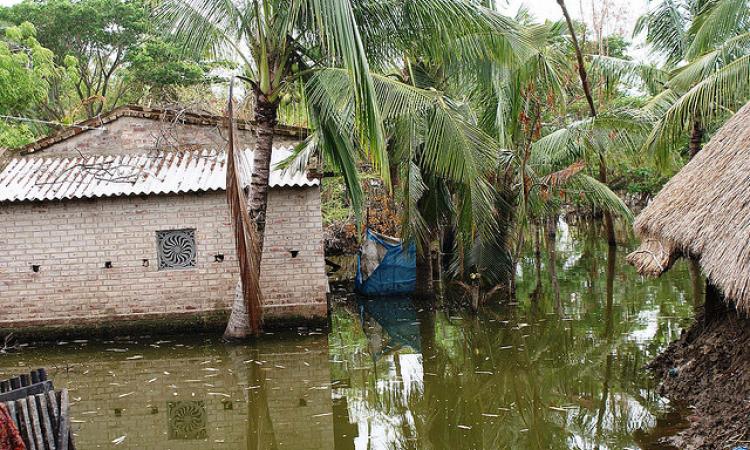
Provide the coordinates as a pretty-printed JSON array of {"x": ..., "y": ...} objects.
[
  {"x": 124, "y": 217},
  {"x": 703, "y": 213},
  {"x": 198, "y": 397}
]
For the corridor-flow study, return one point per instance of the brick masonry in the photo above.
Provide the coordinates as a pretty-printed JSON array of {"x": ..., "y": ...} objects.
[
  {"x": 133, "y": 134},
  {"x": 71, "y": 240}
]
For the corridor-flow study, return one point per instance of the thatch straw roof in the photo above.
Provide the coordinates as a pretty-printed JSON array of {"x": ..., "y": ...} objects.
[{"x": 704, "y": 212}]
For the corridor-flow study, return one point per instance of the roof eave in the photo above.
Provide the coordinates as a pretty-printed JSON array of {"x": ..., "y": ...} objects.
[{"x": 653, "y": 257}]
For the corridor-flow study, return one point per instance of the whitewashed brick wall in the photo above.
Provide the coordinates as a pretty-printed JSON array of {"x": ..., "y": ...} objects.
[{"x": 71, "y": 240}]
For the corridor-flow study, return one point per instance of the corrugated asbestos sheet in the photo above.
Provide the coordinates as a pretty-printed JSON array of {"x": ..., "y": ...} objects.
[{"x": 157, "y": 172}]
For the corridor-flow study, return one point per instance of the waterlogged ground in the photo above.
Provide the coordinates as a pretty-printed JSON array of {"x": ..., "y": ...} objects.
[{"x": 543, "y": 374}]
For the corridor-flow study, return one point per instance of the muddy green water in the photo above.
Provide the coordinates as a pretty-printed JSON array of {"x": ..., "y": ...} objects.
[{"x": 542, "y": 374}]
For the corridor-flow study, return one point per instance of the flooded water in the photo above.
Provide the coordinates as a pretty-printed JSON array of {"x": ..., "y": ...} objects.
[{"x": 542, "y": 374}]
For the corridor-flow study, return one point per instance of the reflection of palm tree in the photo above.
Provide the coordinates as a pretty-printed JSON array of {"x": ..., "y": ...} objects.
[
  {"x": 608, "y": 337},
  {"x": 260, "y": 433},
  {"x": 551, "y": 242}
]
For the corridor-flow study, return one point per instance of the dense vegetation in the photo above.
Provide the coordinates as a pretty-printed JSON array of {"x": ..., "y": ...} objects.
[{"x": 478, "y": 124}]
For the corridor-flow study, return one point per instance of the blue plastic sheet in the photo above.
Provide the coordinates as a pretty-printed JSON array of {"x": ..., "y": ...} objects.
[{"x": 396, "y": 274}]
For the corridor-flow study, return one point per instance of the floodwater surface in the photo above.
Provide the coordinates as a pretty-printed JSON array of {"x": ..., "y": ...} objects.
[{"x": 551, "y": 372}]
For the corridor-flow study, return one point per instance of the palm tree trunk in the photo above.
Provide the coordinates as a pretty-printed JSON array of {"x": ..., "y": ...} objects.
[
  {"x": 537, "y": 262},
  {"x": 608, "y": 222},
  {"x": 240, "y": 324},
  {"x": 552, "y": 251},
  {"x": 265, "y": 122},
  {"x": 696, "y": 138},
  {"x": 425, "y": 289},
  {"x": 696, "y": 144},
  {"x": 609, "y": 225}
]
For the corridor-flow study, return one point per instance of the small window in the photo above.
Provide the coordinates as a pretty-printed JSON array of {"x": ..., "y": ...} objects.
[{"x": 176, "y": 248}]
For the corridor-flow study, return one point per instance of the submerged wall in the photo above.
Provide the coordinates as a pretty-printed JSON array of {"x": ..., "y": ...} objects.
[{"x": 54, "y": 259}]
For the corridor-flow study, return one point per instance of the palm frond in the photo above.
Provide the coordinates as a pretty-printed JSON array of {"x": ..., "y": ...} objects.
[
  {"x": 716, "y": 23},
  {"x": 597, "y": 194},
  {"x": 665, "y": 26},
  {"x": 723, "y": 91},
  {"x": 702, "y": 67}
]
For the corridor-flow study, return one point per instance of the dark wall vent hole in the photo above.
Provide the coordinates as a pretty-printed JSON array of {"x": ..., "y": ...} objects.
[
  {"x": 294, "y": 253},
  {"x": 219, "y": 257},
  {"x": 145, "y": 263},
  {"x": 36, "y": 267},
  {"x": 107, "y": 264}
]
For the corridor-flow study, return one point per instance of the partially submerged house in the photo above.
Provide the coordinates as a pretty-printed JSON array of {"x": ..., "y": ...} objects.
[
  {"x": 703, "y": 213},
  {"x": 125, "y": 217}
]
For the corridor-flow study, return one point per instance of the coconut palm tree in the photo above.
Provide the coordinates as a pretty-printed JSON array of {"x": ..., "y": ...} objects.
[
  {"x": 284, "y": 44},
  {"x": 705, "y": 46},
  {"x": 525, "y": 108}
]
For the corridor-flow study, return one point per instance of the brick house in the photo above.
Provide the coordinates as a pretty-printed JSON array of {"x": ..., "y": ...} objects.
[{"x": 124, "y": 217}]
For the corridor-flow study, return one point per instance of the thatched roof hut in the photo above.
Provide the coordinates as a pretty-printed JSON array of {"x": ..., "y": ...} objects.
[{"x": 704, "y": 212}]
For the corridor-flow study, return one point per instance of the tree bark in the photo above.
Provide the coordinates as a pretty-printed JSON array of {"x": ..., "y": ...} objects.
[
  {"x": 579, "y": 58},
  {"x": 266, "y": 116},
  {"x": 696, "y": 138},
  {"x": 239, "y": 325},
  {"x": 608, "y": 222},
  {"x": 696, "y": 144},
  {"x": 425, "y": 288},
  {"x": 537, "y": 262},
  {"x": 697, "y": 281},
  {"x": 552, "y": 251}
]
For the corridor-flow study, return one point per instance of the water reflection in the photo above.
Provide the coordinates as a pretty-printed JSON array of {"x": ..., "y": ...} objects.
[
  {"x": 194, "y": 393},
  {"x": 561, "y": 369},
  {"x": 547, "y": 373}
]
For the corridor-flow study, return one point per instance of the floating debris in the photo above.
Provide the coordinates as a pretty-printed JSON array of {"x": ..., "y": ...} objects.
[
  {"x": 220, "y": 394},
  {"x": 119, "y": 440}
]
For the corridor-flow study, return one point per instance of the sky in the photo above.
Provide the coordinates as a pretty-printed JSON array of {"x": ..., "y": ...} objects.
[
  {"x": 549, "y": 9},
  {"x": 626, "y": 10},
  {"x": 624, "y": 13}
]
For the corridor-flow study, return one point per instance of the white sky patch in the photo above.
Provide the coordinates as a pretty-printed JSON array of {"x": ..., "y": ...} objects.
[{"x": 626, "y": 11}]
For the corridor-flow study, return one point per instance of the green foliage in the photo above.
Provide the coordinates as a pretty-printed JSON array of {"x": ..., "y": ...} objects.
[
  {"x": 14, "y": 136},
  {"x": 157, "y": 68},
  {"x": 99, "y": 34},
  {"x": 25, "y": 67},
  {"x": 643, "y": 180},
  {"x": 158, "y": 64},
  {"x": 334, "y": 205}
]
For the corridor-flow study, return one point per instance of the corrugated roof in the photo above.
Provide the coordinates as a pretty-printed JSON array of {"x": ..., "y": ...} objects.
[{"x": 155, "y": 172}]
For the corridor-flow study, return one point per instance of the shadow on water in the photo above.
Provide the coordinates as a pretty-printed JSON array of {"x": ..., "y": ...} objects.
[{"x": 561, "y": 369}]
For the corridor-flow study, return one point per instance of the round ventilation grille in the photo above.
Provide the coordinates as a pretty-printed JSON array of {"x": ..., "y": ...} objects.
[{"x": 176, "y": 249}]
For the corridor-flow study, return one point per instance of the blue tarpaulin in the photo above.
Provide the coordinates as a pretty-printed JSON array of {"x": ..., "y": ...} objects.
[{"x": 385, "y": 266}]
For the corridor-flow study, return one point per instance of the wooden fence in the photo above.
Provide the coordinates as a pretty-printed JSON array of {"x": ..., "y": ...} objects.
[{"x": 41, "y": 413}]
